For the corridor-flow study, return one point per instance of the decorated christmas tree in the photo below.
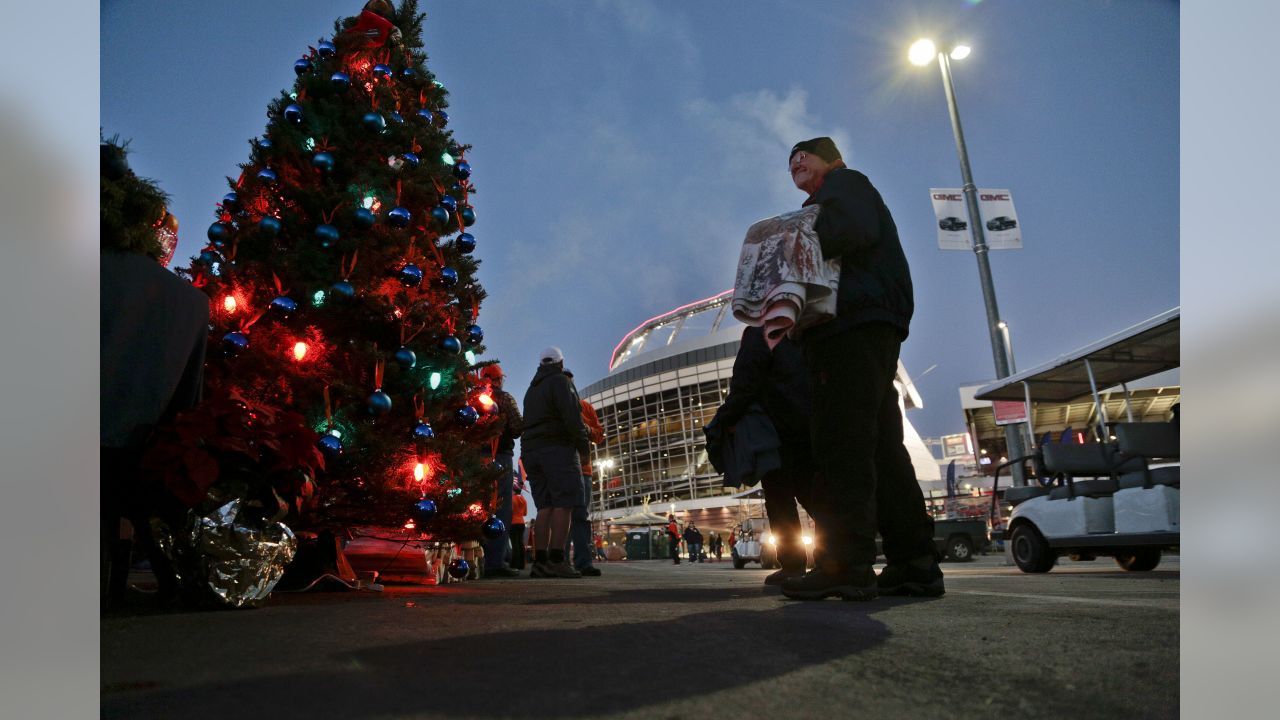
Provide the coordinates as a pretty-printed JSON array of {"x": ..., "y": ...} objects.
[{"x": 342, "y": 285}]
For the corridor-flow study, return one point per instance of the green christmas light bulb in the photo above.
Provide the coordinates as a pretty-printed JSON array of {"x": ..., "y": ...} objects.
[
  {"x": 434, "y": 380},
  {"x": 318, "y": 298},
  {"x": 471, "y": 358}
]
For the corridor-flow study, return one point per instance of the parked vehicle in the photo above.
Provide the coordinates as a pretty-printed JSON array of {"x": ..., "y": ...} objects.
[
  {"x": 1130, "y": 509},
  {"x": 960, "y": 539},
  {"x": 1002, "y": 222}
]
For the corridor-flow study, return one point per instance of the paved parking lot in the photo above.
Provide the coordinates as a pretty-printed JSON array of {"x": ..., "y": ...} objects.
[{"x": 653, "y": 640}]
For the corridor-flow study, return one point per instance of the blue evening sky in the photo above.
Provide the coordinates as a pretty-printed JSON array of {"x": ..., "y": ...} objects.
[{"x": 623, "y": 148}]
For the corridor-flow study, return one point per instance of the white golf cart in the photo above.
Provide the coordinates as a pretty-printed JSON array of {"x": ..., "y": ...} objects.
[{"x": 1114, "y": 493}]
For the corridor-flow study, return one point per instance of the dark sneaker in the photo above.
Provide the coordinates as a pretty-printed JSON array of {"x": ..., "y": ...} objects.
[
  {"x": 560, "y": 570},
  {"x": 907, "y": 579},
  {"x": 590, "y": 571},
  {"x": 538, "y": 570},
  {"x": 500, "y": 572},
  {"x": 857, "y": 584},
  {"x": 777, "y": 577}
]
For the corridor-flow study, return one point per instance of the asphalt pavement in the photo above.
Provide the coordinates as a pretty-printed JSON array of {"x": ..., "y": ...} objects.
[{"x": 649, "y": 639}]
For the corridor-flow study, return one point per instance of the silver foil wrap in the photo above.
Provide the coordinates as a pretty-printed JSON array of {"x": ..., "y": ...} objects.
[{"x": 239, "y": 560}]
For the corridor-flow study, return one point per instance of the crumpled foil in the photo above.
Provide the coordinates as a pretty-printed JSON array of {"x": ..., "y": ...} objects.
[{"x": 236, "y": 558}]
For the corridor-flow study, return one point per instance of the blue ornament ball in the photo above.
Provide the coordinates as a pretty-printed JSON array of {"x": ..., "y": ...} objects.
[
  {"x": 265, "y": 143},
  {"x": 284, "y": 307},
  {"x": 267, "y": 175},
  {"x": 399, "y": 217},
  {"x": 327, "y": 235},
  {"x": 462, "y": 170},
  {"x": 396, "y": 118},
  {"x": 340, "y": 81},
  {"x": 475, "y": 335},
  {"x": 425, "y": 114},
  {"x": 466, "y": 243},
  {"x": 440, "y": 215},
  {"x": 302, "y": 66},
  {"x": 209, "y": 257},
  {"x": 323, "y": 161},
  {"x": 269, "y": 225},
  {"x": 234, "y": 343},
  {"x": 467, "y": 416},
  {"x": 330, "y": 447},
  {"x": 410, "y": 275},
  {"x": 458, "y": 568},
  {"x": 411, "y": 160},
  {"x": 408, "y": 73},
  {"x": 444, "y": 118},
  {"x": 448, "y": 277},
  {"x": 230, "y": 201},
  {"x": 293, "y": 113},
  {"x": 451, "y": 345},
  {"x": 449, "y": 203},
  {"x": 343, "y": 288},
  {"x": 423, "y": 431},
  {"x": 382, "y": 69},
  {"x": 326, "y": 49},
  {"x": 374, "y": 122},
  {"x": 468, "y": 216},
  {"x": 219, "y": 232},
  {"x": 406, "y": 358},
  {"x": 364, "y": 218},
  {"x": 378, "y": 403},
  {"x": 493, "y": 528},
  {"x": 424, "y": 510}
]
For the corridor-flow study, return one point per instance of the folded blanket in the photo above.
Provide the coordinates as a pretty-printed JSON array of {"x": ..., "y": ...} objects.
[{"x": 784, "y": 285}]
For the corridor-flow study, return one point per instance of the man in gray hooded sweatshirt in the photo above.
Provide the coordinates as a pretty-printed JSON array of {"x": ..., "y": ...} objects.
[{"x": 553, "y": 441}]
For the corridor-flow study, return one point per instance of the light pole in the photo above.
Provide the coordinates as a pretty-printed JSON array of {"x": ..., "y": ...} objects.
[{"x": 921, "y": 53}]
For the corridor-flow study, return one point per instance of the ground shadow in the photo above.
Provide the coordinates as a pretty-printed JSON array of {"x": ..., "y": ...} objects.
[{"x": 570, "y": 673}]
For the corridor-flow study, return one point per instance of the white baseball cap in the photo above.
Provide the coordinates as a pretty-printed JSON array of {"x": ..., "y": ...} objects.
[{"x": 551, "y": 355}]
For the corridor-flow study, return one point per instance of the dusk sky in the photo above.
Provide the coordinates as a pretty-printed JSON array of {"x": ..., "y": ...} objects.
[{"x": 621, "y": 150}]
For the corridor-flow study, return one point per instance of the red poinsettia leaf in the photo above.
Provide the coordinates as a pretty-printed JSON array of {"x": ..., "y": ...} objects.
[{"x": 234, "y": 445}]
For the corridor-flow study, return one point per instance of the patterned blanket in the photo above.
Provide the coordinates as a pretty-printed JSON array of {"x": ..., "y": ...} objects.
[{"x": 784, "y": 285}]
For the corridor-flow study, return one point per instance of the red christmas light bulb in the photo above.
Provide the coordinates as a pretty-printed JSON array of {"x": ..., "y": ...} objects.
[
  {"x": 229, "y": 303},
  {"x": 299, "y": 351}
]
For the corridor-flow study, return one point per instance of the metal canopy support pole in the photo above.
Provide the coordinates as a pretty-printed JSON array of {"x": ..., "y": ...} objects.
[
  {"x": 1031, "y": 430},
  {"x": 1097, "y": 400},
  {"x": 1013, "y": 438},
  {"x": 1128, "y": 401}
]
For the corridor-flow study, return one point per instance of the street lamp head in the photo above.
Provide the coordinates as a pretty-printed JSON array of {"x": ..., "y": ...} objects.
[
  {"x": 922, "y": 52},
  {"x": 960, "y": 52}
]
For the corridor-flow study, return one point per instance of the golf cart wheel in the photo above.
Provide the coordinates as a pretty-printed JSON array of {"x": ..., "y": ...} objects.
[
  {"x": 1139, "y": 559},
  {"x": 1030, "y": 551},
  {"x": 738, "y": 562},
  {"x": 959, "y": 548}
]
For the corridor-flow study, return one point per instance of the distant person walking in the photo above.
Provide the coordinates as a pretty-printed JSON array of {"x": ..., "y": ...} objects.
[
  {"x": 519, "y": 508},
  {"x": 865, "y": 481},
  {"x": 693, "y": 542},
  {"x": 553, "y": 443}
]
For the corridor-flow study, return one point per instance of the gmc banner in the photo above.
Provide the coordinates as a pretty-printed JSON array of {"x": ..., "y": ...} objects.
[{"x": 996, "y": 206}]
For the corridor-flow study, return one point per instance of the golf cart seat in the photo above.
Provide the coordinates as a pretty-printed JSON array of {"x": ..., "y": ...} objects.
[
  {"x": 1147, "y": 442},
  {"x": 1016, "y": 495},
  {"x": 1084, "y": 488},
  {"x": 1157, "y": 476},
  {"x": 1089, "y": 460}
]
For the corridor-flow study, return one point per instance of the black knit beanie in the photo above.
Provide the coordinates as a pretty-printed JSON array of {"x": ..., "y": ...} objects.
[{"x": 823, "y": 147}]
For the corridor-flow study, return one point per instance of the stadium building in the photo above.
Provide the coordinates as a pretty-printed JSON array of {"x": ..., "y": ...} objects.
[{"x": 666, "y": 379}]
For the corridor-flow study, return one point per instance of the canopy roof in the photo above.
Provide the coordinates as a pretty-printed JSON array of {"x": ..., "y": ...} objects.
[
  {"x": 1147, "y": 348},
  {"x": 642, "y": 518}
]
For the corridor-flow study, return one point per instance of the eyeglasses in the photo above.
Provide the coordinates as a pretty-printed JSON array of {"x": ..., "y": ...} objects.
[{"x": 796, "y": 159}]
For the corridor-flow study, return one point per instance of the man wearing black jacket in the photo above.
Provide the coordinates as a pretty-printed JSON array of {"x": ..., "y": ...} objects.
[
  {"x": 553, "y": 441},
  {"x": 865, "y": 479},
  {"x": 779, "y": 381}
]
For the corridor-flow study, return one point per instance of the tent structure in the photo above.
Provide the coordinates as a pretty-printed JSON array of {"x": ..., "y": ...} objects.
[{"x": 641, "y": 519}]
